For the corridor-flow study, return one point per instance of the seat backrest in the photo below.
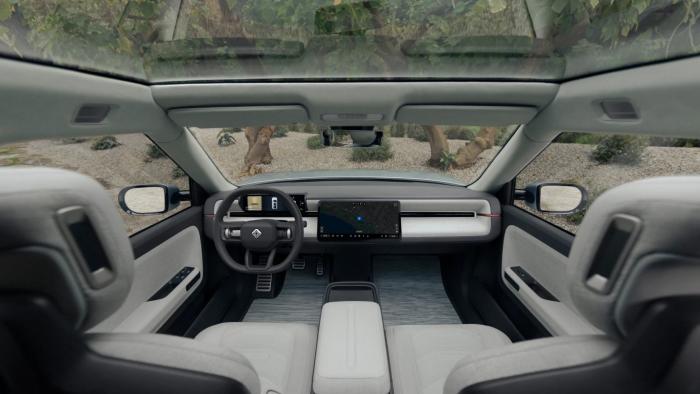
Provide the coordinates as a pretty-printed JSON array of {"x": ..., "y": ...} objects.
[
  {"x": 62, "y": 241},
  {"x": 634, "y": 270},
  {"x": 62, "y": 237},
  {"x": 638, "y": 243}
]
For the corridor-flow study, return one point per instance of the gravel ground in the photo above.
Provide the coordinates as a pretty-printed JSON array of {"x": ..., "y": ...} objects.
[
  {"x": 290, "y": 153},
  {"x": 572, "y": 163},
  {"x": 115, "y": 168}
]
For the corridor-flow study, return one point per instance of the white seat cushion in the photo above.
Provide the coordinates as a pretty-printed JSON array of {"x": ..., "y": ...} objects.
[
  {"x": 282, "y": 354},
  {"x": 422, "y": 357},
  {"x": 176, "y": 352}
]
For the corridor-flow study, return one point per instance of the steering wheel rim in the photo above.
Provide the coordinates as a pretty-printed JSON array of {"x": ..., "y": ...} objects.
[{"x": 264, "y": 241}]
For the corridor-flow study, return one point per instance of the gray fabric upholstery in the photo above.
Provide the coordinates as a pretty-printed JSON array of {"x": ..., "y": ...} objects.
[
  {"x": 282, "y": 353},
  {"x": 177, "y": 352},
  {"x": 669, "y": 211},
  {"x": 36, "y": 255},
  {"x": 421, "y": 357},
  {"x": 527, "y": 357}
]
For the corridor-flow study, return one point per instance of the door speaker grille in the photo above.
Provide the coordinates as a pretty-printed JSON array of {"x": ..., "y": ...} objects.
[
  {"x": 92, "y": 113},
  {"x": 619, "y": 110}
]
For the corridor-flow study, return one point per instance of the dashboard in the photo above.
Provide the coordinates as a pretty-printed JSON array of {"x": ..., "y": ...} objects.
[{"x": 387, "y": 213}]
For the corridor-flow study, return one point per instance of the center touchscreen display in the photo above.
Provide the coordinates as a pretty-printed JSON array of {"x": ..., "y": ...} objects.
[{"x": 351, "y": 220}]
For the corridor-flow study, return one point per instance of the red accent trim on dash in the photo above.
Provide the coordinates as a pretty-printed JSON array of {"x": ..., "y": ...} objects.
[{"x": 489, "y": 215}]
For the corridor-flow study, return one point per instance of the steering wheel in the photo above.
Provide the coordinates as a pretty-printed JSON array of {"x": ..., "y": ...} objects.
[{"x": 258, "y": 236}]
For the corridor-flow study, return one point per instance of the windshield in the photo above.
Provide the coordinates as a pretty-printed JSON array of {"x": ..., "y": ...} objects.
[
  {"x": 445, "y": 154},
  {"x": 184, "y": 40}
]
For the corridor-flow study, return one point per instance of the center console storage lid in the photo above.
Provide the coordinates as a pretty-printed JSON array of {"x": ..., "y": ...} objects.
[{"x": 351, "y": 352}]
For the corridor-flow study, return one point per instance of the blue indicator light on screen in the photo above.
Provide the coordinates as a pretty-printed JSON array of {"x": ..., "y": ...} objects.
[{"x": 359, "y": 218}]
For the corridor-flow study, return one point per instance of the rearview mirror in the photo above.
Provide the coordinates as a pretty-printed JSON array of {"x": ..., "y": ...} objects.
[
  {"x": 554, "y": 198},
  {"x": 150, "y": 199}
]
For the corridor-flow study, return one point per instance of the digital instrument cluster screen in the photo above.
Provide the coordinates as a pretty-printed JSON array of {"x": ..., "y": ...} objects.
[
  {"x": 353, "y": 220},
  {"x": 270, "y": 205}
]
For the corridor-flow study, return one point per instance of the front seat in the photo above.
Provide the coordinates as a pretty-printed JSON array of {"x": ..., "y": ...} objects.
[
  {"x": 634, "y": 273},
  {"x": 66, "y": 264}
]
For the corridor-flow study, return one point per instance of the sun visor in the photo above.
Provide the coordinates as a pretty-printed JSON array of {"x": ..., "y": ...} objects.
[
  {"x": 474, "y": 115},
  {"x": 239, "y": 116}
]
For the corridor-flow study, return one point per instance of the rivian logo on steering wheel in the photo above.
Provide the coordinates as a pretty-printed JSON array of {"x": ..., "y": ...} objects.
[{"x": 256, "y": 233}]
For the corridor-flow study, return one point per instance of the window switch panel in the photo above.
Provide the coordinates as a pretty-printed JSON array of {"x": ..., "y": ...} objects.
[{"x": 171, "y": 284}]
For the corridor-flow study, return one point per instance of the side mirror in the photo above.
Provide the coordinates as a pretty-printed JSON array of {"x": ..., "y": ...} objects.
[
  {"x": 554, "y": 198},
  {"x": 150, "y": 199}
]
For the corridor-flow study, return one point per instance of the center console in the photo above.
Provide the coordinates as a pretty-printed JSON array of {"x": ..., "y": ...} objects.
[{"x": 351, "y": 354}]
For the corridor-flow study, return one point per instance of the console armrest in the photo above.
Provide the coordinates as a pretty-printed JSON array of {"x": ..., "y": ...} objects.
[{"x": 351, "y": 352}]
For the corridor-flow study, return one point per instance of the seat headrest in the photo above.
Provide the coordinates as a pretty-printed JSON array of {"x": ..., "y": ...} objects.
[
  {"x": 62, "y": 237},
  {"x": 638, "y": 243}
]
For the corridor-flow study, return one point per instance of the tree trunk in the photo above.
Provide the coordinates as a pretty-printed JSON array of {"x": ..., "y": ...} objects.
[
  {"x": 258, "y": 148},
  {"x": 485, "y": 139},
  {"x": 438, "y": 144}
]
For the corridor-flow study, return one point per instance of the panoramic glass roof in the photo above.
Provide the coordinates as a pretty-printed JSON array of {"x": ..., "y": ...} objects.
[{"x": 160, "y": 41}]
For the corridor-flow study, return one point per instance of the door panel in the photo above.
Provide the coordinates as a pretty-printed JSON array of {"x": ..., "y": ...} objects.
[
  {"x": 541, "y": 250},
  {"x": 548, "y": 268},
  {"x": 142, "y": 312}
]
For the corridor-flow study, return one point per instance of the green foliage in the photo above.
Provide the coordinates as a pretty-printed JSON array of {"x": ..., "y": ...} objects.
[
  {"x": 225, "y": 137},
  {"x": 417, "y": 133},
  {"x": 154, "y": 152},
  {"x": 343, "y": 40},
  {"x": 674, "y": 142},
  {"x": 579, "y": 138},
  {"x": 396, "y": 130},
  {"x": 280, "y": 131},
  {"x": 620, "y": 149},
  {"x": 447, "y": 160},
  {"x": 314, "y": 142},
  {"x": 576, "y": 218},
  {"x": 73, "y": 140},
  {"x": 105, "y": 143},
  {"x": 178, "y": 173},
  {"x": 309, "y": 128},
  {"x": 231, "y": 130},
  {"x": 382, "y": 152},
  {"x": 461, "y": 133}
]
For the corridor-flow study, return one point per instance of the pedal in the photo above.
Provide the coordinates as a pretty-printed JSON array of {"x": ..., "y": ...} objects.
[
  {"x": 263, "y": 283},
  {"x": 299, "y": 265},
  {"x": 319, "y": 268}
]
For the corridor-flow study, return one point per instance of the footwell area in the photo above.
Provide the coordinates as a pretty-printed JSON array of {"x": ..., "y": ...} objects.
[
  {"x": 300, "y": 301},
  {"x": 411, "y": 291}
]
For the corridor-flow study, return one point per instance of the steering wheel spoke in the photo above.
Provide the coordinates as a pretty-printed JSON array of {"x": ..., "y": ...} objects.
[{"x": 249, "y": 260}]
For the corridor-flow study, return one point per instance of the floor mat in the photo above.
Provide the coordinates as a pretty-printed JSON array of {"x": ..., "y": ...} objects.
[
  {"x": 300, "y": 301},
  {"x": 411, "y": 291}
]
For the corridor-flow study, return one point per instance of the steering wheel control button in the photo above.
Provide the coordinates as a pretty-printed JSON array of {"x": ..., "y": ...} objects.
[{"x": 230, "y": 233}]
